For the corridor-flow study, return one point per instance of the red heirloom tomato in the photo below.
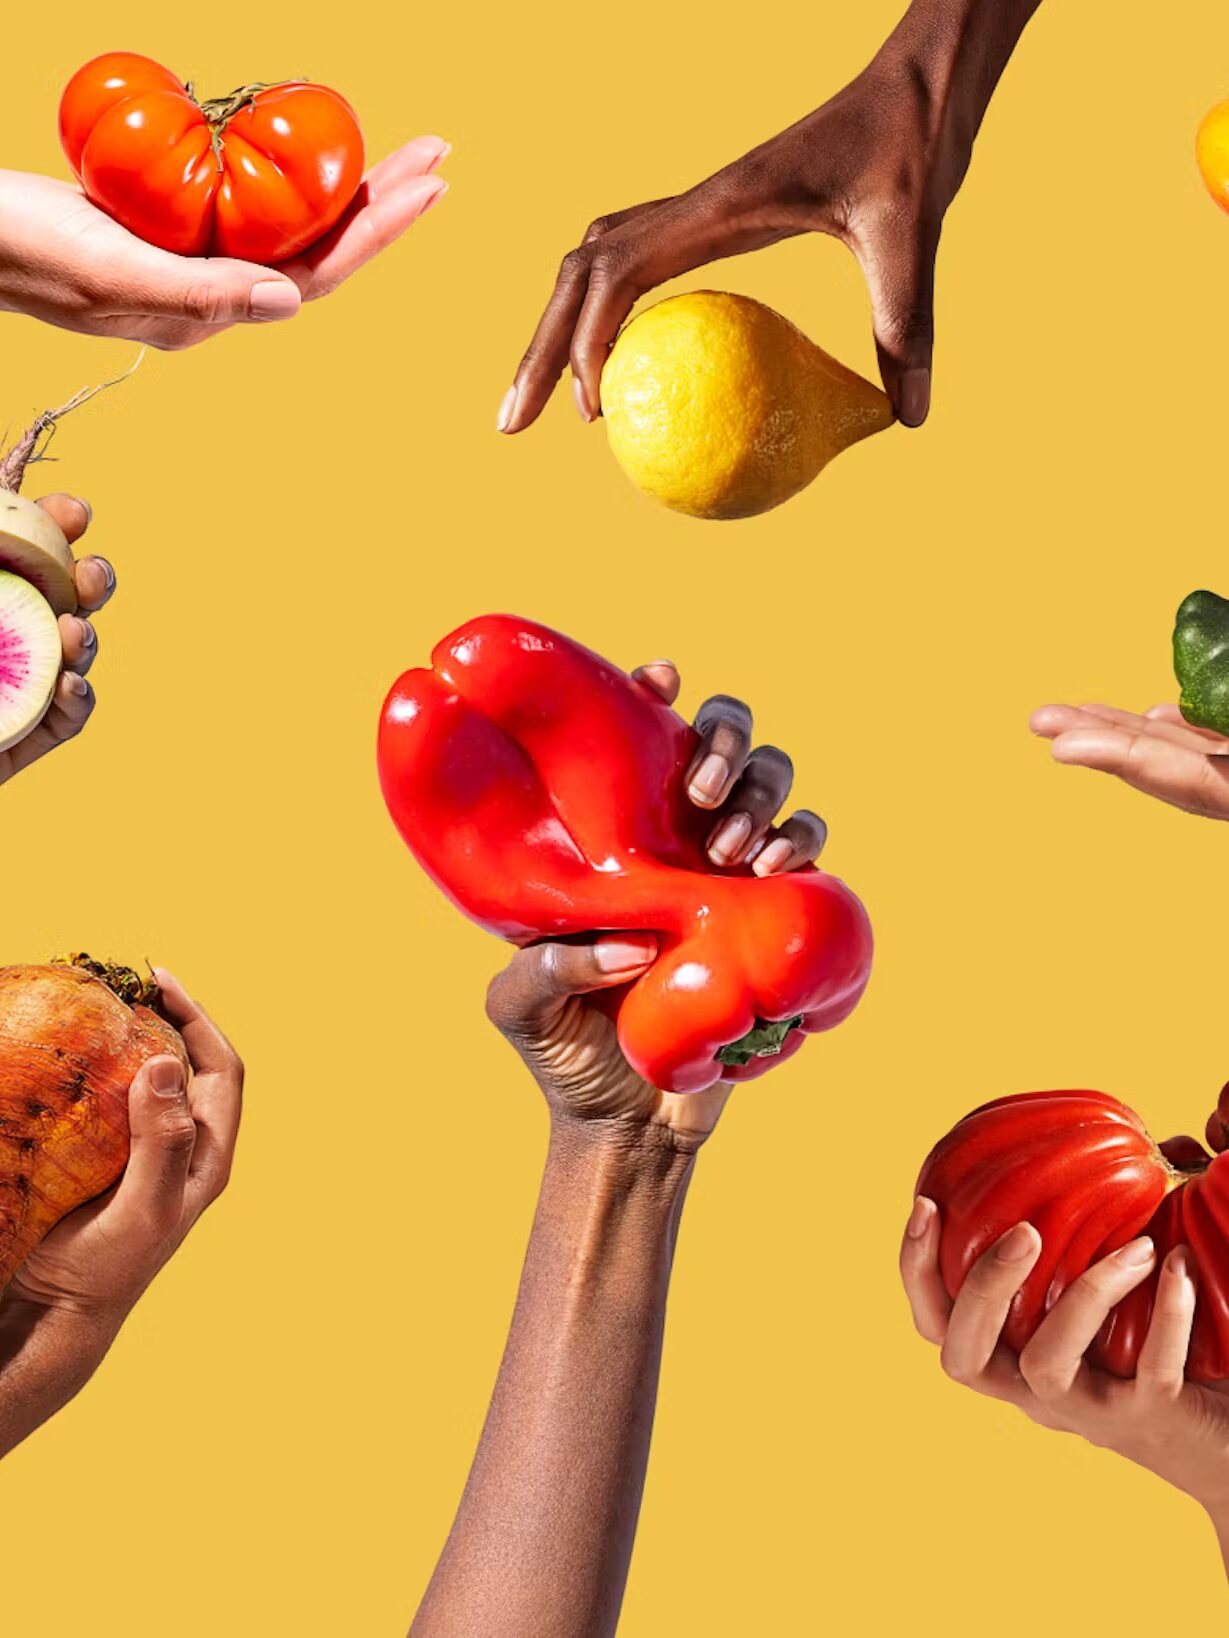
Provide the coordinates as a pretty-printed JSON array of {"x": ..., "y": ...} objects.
[
  {"x": 1082, "y": 1169},
  {"x": 259, "y": 175}
]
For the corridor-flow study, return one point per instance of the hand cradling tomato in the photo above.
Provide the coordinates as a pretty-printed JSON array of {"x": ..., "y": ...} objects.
[
  {"x": 543, "y": 790},
  {"x": 258, "y": 175},
  {"x": 1080, "y": 1167}
]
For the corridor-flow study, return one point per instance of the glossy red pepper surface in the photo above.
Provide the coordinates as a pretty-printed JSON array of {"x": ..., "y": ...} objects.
[
  {"x": 1083, "y": 1170},
  {"x": 542, "y": 789}
]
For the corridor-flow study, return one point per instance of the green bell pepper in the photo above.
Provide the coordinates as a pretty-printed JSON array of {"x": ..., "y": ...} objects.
[{"x": 1201, "y": 660}]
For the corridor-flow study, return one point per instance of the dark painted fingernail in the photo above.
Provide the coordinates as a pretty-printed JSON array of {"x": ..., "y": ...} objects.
[
  {"x": 88, "y": 635},
  {"x": 166, "y": 1078},
  {"x": 582, "y": 401},
  {"x": 914, "y": 397}
]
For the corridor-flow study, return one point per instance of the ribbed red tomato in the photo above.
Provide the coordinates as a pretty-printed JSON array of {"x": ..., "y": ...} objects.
[
  {"x": 259, "y": 175},
  {"x": 1082, "y": 1169}
]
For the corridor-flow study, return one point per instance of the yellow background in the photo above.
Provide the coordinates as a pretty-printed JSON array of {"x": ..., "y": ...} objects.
[{"x": 279, "y": 1438}]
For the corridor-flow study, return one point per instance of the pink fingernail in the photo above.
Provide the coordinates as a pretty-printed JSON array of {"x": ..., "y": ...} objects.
[
  {"x": 1015, "y": 1244},
  {"x": 166, "y": 1078},
  {"x": 433, "y": 199},
  {"x": 919, "y": 1217},
  {"x": 774, "y": 857},
  {"x": 1137, "y": 1253},
  {"x": 624, "y": 955},
  {"x": 582, "y": 403},
  {"x": 273, "y": 299},
  {"x": 709, "y": 780},
  {"x": 507, "y": 406},
  {"x": 729, "y": 838}
]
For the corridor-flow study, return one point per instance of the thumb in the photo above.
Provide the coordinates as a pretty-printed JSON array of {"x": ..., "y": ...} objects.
[
  {"x": 215, "y": 291},
  {"x": 151, "y": 1192},
  {"x": 534, "y": 987},
  {"x": 900, "y": 275}
]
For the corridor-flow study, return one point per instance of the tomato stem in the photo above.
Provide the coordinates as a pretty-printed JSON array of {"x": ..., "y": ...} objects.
[{"x": 219, "y": 111}]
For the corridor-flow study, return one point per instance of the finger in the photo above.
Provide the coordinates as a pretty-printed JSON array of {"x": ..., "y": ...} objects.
[
  {"x": 919, "y": 1269},
  {"x": 612, "y": 291},
  {"x": 981, "y": 1306},
  {"x": 210, "y": 292},
  {"x": 754, "y": 801},
  {"x": 899, "y": 265},
  {"x": 1160, "y": 1370},
  {"x": 71, "y": 706},
  {"x": 149, "y": 1201},
  {"x": 526, "y": 998},
  {"x": 1171, "y": 713},
  {"x": 72, "y": 515},
  {"x": 95, "y": 583},
  {"x": 547, "y": 353},
  {"x": 79, "y": 643},
  {"x": 216, "y": 1092},
  {"x": 1184, "y": 778},
  {"x": 1053, "y": 1359},
  {"x": 1176, "y": 733},
  {"x": 724, "y": 726},
  {"x": 662, "y": 677},
  {"x": 799, "y": 841},
  {"x": 394, "y": 194}
]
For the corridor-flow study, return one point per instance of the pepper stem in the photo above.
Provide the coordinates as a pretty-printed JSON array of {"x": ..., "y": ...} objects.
[
  {"x": 764, "y": 1039},
  {"x": 128, "y": 984}
]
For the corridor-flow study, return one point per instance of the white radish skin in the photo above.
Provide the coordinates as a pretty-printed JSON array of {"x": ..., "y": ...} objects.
[
  {"x": 33, "y": 546},
  {"x": 30, "y": 658}
]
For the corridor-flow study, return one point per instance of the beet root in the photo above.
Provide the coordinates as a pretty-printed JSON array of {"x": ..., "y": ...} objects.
[{"x": 70, "y": 1046}]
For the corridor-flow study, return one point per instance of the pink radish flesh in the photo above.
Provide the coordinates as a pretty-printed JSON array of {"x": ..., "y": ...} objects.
[{"x": 30, "y": 658}]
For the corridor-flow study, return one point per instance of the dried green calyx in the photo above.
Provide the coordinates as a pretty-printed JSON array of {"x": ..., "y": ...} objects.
[
  {"x": 763, "y": 1040},
  {"x": 129, "y": 985}
]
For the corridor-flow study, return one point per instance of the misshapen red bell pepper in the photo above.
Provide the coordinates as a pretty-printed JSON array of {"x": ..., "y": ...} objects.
[{"x": 542, "y": 789}]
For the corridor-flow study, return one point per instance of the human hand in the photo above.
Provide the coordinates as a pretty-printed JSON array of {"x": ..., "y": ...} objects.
[
  {"x": 1158, "y": 753},
  {"x": 73, "y": 700},
  {"x": 1176, "y": 1429},
  {"x": 99, "y": 1259},
  {"x": 548, "y": 1001},
  {"x": 876, "y": 167},
  {"x": 65, "y": 261}
]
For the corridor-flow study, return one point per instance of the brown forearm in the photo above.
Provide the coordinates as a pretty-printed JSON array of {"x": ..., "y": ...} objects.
[
  {"x": 542, "y": 1541},
  {"x": 46, "y": 1357}
]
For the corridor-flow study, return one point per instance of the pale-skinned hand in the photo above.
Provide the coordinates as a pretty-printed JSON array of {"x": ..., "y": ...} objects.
[{"x": 1158, "y": 753}]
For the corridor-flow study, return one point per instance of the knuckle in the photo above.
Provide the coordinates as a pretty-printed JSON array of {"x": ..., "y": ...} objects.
[
  {"x": 575, "y": 265},
  {"x": 598, "y": 228},
  {"x": 177, "y": 1133},
  {"x": 203, "y": 303}
]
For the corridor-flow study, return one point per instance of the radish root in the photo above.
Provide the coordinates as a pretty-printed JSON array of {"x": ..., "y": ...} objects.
[{"x": 28, "y": 450}]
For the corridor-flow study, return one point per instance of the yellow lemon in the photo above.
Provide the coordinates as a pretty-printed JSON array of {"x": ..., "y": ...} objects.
[{"x": 719, "y": 407}]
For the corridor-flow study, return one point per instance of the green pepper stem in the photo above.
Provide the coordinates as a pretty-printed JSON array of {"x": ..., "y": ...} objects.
[{"x": 764, "y": 1039}]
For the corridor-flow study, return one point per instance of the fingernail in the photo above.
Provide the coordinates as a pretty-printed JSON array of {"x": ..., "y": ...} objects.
[
  {"x": 709, "y": 780},
  {"x": 1182, "y": 1263},
  {"x": 433, "y": 199},
  {"x": 624, "y": 955},
  {"x": 166, "y": 1077},
  {"x": 1136, "y": 1253},
  {"x": 919, "y": 1217},
  {"x": 441, "y": 156},
  {"x": 729, "y": 837},
  {"x": 1015, "y": 1244},
  {"x": 652, "y": 665},
  {"x": 86, "y": 508},
  {"x": 273, "y": 299},
  {"x": 107, "y": 570},
  {"x": 76, "y": 684},
  {"x": 777, "y": 854},
  {"x": 914, "y": 397},
  {"x": 506, "y": 406},
  {"x": 88, "y": 635},
  {"x": 582, "y": 403}
]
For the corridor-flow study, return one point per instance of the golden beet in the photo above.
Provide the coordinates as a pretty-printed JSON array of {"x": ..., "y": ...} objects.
[{"x": 72, "y": 1038}]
